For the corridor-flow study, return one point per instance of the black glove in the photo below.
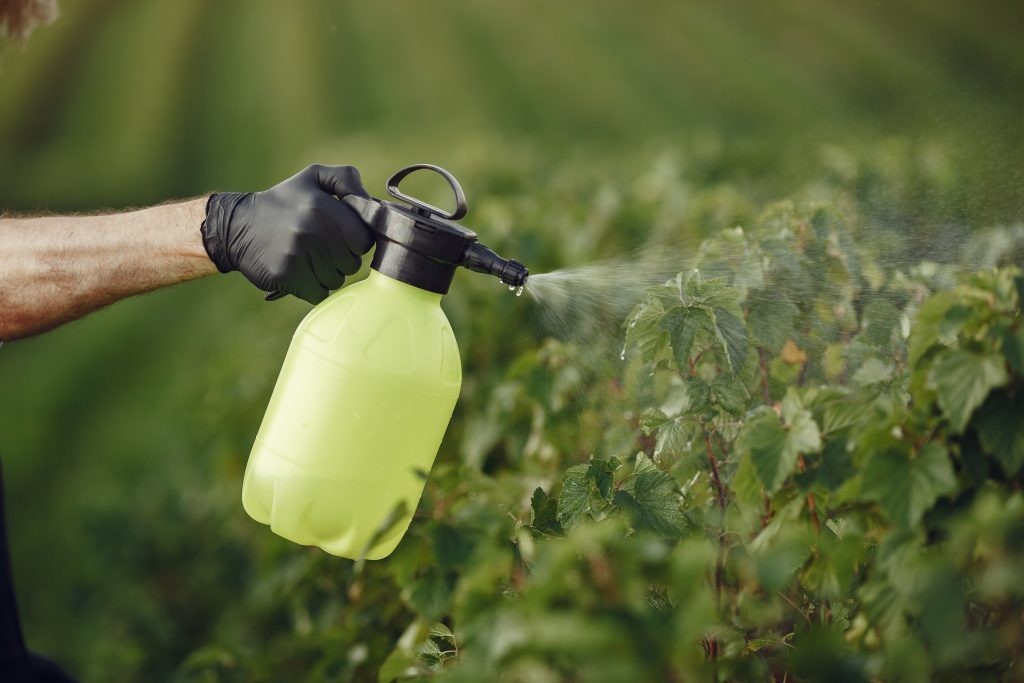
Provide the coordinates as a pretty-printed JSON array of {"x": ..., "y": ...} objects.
[{"x": 295, "y": 238}]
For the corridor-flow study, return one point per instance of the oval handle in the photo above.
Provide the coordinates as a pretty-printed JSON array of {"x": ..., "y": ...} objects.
[{"x": 423, "y": 207}]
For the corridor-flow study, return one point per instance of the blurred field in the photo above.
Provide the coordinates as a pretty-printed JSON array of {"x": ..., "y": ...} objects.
[
  {"x": 134, "y": 102},
  {"x": 124, "y": 435}
]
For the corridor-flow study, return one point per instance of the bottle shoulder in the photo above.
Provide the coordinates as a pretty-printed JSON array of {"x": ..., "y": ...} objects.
[
  {"x": 371, "y": 305},
  {"x": 375, "y": 331}
]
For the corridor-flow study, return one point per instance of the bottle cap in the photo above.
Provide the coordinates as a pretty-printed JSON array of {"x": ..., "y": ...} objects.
[{"x": 422, "y": 245}]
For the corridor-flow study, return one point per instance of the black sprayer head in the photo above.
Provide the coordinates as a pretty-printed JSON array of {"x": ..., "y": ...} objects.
[
  {"x": 422, "y": 245},
  {"x": 481, "y": 259}
]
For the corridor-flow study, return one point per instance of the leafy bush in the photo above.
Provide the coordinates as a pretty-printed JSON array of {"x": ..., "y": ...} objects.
[{"x": 829, "y": 485}]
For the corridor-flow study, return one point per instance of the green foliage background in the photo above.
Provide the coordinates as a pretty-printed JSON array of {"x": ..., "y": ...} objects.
[{"x": 580, "y": 130}]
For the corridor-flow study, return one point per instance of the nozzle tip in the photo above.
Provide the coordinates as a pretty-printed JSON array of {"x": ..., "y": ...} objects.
[
  {"x": 514, "y": 273},
  {"x": 481, "y": 259}
]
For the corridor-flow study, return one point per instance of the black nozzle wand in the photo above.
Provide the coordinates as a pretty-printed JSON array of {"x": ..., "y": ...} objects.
[{"x": 481, "y": 259}]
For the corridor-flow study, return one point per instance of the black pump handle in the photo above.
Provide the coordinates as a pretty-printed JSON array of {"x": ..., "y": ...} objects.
[{"x": 460, "y": 196}]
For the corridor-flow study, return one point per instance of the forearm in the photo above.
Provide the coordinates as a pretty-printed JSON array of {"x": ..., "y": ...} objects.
[{"x": 55, "y": 269}]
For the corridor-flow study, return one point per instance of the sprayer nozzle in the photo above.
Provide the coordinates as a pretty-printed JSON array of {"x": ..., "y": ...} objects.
[
  {"x": 514, "y": 273},
  {"x": 480, "y": 259}
]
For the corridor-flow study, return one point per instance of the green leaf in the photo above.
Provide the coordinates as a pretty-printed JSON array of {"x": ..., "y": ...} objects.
[
  {"x": 908, "y": 487},
  {"x": 803, "y": 435},
  {"x": 452, "y": 546},
  {"x": 939, "y": 319},
  {"x": 878, "y": 321},
  {"x": 641, "y": 463},
  {"x": 1013, "y": 349},
  {"x": 544, "y": 513},
  {"x": 434, "y": 654},
  {"x": 733, "y": 337},
  {"x": 834, "y": 565},
  {"x": 400, "y": 664},
  {"x": 729, "y": 394},
  {"x": 785, "y": 520},
  {"x": 574, "y": 500},
  {"x": 673, "y": 438},
  {"x": 792, "y": 403},
  {"x": 1000, "y": 425},
  {"x": 779, "y": 560},
  {"x": 746, "y": 486},
  {"x": 440, "y": 630},
  {"x": 836, "y": 465},
  {"x": 698, "y": 394},
  {"x": 873, "y": 371},
  {"x": 783, "y": 373},
  {"x": 429, "y": 651},
  {"x": 841, "y": 413},
  {"x": 765, "y": 438},
  {"x": 925, "y": 332},
  {"x": 652, "y": 419},
  {"x": 602, "y": 473},
  {"x": 431, "y": 594},
  {"x": 832, "y": 361},
  {"x": 962, "y": 380},
  {"x": 682, "y": 324},
  {"x": 774, "y": 447},
  {"x": 643, "y": 330},
  {"x": 770, "y": 319},
  {"x": 652, "y": 501},
  {"x": 711, "y": 293}
]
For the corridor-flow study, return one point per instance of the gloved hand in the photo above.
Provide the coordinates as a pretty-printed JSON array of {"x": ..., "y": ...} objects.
[{"x": 295, "y": 238}]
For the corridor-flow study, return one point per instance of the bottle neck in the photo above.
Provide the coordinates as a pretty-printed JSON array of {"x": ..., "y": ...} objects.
[
  {"x": 402, "y": 263},
  {"x": 399, "y": 288}
]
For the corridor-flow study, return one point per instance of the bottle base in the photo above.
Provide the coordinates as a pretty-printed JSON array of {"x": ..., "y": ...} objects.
[{"x": 338, "y": 517}]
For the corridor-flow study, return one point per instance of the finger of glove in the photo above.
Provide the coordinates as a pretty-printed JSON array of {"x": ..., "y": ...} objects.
[
  {"x": 306, "y": 286},
  {"x": 324, "y": 269},
  {"x": 340, "y": 180},
  {"x": 350, "y": 234}
]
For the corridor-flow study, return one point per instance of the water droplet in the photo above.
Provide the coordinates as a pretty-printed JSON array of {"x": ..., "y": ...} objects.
[
  {"x": 519, "y": 290},
  {"x": 622, "y": 355},
  {"x": 511, "y": 288}
]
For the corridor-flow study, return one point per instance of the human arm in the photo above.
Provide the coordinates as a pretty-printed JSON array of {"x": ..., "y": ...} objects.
[
  {"x": 296, "y": 238},
  {"x": 54, "y": 269}
]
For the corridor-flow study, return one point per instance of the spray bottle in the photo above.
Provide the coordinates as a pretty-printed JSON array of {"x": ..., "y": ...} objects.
[{"x": 369, "y": 384}]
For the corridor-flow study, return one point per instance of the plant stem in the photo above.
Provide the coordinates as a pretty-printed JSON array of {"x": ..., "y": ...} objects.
[
  {"x": 715, "y": 479},
  {"x": 814, "y": 513},
  {"x": 766, "y": 393},
  {"x": 712, "y": 643}
]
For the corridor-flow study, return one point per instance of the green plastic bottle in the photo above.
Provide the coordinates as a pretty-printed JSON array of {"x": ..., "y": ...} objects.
[{"x": 368, "y": 386}]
